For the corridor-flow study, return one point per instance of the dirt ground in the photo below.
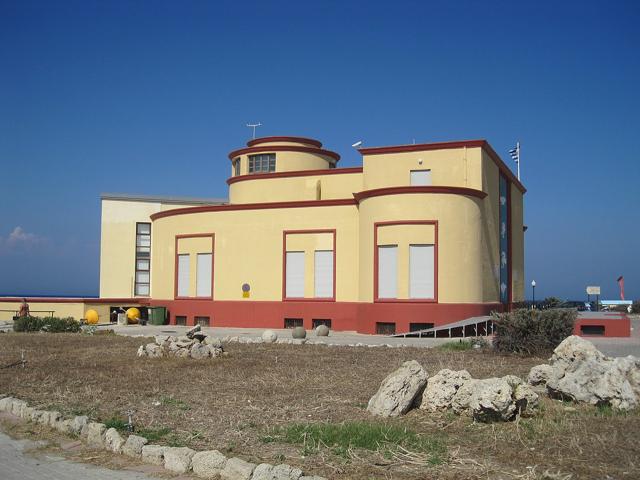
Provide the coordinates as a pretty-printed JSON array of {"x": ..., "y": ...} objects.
[{"x": 234, "y": 403}]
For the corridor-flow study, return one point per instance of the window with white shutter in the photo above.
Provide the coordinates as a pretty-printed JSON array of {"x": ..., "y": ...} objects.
[
  {"x": 420, "y": 177},
  {"x": 323, "y": 274},
  {"x": 183, "y": 275},
  {"x": 387, "y": 271},
  {"x": 294, "y": 275},
  {"x": 421, "y": 271},
  {"x": 203, "y": 275}
]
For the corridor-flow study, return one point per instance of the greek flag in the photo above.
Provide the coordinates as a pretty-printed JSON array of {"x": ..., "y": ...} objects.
[{"x": 514, "y": 154}]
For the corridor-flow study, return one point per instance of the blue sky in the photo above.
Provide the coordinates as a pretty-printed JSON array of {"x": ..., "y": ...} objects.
[{"x": 149, "y": 97}]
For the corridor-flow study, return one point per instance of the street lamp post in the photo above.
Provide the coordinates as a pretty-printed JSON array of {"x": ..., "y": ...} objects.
[{"x": 533, "y": 293}]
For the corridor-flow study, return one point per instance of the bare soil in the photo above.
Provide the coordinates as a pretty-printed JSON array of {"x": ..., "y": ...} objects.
[{"x": 232, "y": 403}]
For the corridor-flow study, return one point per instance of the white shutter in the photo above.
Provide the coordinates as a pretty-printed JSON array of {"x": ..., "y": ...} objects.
[
  {"x": 203, "y": 272},
  {"x": 388, "y": 271},
  {"x": 295, "y": 275},
  {"x": 421, "y": 177},
  {"x": 183, "y": 275},
  {"x": 323, "y": 274},
  {"x": 421, "y": 271}
]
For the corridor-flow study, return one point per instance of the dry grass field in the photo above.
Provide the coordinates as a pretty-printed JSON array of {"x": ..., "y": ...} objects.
[{"x": 305, "y": 405}]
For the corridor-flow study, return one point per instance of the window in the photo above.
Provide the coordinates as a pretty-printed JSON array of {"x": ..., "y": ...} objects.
[
  {"x": 385, "y": 328},
  {"x": 236, "y": 167},
  {"x": 183, "y": 275},
  {"x": 316, "y": 322},
  {"x": 323, "y": 274},
  {"x": 292, "y": 322},
  {"x": 203, "y": 274},
  {"x": 294, "y": 275},
  {"x": 421, "y": 271},
  {"x": 265, "y": 162},
  {"x": 420, "y": 177},
  {"x": 181, "y": 320},
  {"x": 387, "y": 271},
  {"x": 143, "y": 263},
  {"x": 416, "y": 327},
  {"x": 202, "y": 321}
]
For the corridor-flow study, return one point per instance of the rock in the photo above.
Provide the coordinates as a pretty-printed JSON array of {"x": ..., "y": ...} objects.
[
  {"x": 133, "y": 446},
  {"x": 36, "y": 416},
  {"x": 153, "y": 351},
  {"x": 199, "y": 351},
  {"x": 399, "y": 390},
  {"x": 264, "y": 471},
  {"x": 322, "y": 331},
  {"x": 17, "y": 406},
  {"x": 269, "y": 336},
  {"x": 26, "y": 412},
  {"x": 54, "y": 418},
  {"x": 298, "y": 332},
  {"x": 153, "y": 454},
  {"x": 141, "y": 351},
  {"x": 312, "y": 477},
  {"x": 161, "y": 340},
  {"x": 213, "y": 341},
  {"x": 441, "y": 388},
  {"x": 113, "y": 440},
  {"x": 178, "y": 459},
  {"x": 173, "y": 347},
  {"x": 95, "y": 434},
  {"x": 64, "y": 426},
  {"x": 214, "y": 351},
  {"x": 298, "y": 341},
  {"x": 182, "y": 353},
  {"x": 582, "y": 373},
  {"x": 237, "y": 469},
  {"x": 193, "y": 331},
  {"x": 78, "y": 423},
  {"x": 539, "y": 375},
  {"x": 208, "y": 464},
  {"x": 525, "y": 398},
  {"x": 185, "y": 343},
  {"x": 491, "y": 400},
  {"x": 6, "y": 404}
]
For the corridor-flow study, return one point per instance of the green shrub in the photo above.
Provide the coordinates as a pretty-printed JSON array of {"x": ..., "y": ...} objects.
[
  {"x": 532, "y": 332},
  {"x": 50, "y": 324}
]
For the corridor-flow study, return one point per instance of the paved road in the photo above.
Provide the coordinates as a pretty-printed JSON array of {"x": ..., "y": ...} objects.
[{"x": 16, "y": 463}]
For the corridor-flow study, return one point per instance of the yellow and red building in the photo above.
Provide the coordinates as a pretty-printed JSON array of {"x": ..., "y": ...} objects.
[{"x": 419, "y": 235}]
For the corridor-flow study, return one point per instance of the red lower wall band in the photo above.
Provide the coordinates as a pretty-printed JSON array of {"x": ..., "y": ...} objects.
[{"x": 344, "y": 316}]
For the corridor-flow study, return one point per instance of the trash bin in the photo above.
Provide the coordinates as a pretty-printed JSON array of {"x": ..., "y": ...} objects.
[
  {"x": 122, "y": 319},
  {"x": 157, "y": 315}
]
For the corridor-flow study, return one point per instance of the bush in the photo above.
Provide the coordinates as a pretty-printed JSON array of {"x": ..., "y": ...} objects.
[
  {"x": 532, "y": 332},
  {"x": 50, "y": 324},
  {"x": 635, "y": 307}
]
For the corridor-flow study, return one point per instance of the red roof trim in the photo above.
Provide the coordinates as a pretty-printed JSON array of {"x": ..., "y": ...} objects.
[
  {"x": 379, "y": 192},
  {"x": 297, "y": 173},
  {"x": 284, "y": 148},
  {"x": 305, "y": 140},
  {"x": 420, "y": 147},
  {"x": 254, "y": 206}
]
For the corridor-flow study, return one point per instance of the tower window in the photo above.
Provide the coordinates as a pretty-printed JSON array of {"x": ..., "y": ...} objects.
[{"x": 265, "y": 162}]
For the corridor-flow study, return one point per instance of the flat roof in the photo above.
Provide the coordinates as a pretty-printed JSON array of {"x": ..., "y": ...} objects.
[{"x": 163, "y": 199}]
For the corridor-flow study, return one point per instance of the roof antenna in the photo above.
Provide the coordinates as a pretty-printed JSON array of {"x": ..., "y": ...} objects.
[{"x": 254, "y": 126}]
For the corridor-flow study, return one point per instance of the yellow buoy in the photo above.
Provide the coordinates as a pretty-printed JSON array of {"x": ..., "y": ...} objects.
[
  {"x": 133, "y": 315},
  {"x": 91, "y": 317}
]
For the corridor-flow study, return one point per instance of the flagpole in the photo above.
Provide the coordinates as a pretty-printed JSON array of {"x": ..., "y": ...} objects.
[{"x": 518, "y": 153}]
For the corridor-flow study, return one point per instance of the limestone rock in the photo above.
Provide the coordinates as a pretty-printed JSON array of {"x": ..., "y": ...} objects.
[
  {"x": 525, "y": 398},
  {"x": 208, "y": 464},
  {"x": 237, "y": 469},
  {"x": 178, "y": 459},
  {"x": 64, "y": 426},
  {"x": 95, "y": 434},
  {"x": 133, "y": 446},
  {"x": 161, "y": 340},
  {"x": 214, "y": 351},
  {"x": 153, "y": 454},
  {"x": 6, "y": 404},
  {"x": 264, "y": 471},
  {"x": 213, "y": 341},
  {"x": 269, "y": 336},
  {"x": 78, "y": 423},
  {"x": 113, "y": 440},
  {"x": 492, "y": 400},
  {"x": 141, "y": 351},
  {"x": 153, "y": 351},
  {"x": 193, "y": 331},
  {"x": 582, "y": 373},
  {"x": 199, "y": 351},
  {"x": 182, "y": 353},
  {"x": 399, "y": 390},
  {"x": 322, "y": 331},
  {"x": 539, "y": 375},
  {"x": 299, "y": 332},
  {"x": 441, "y": 388},
  {"x": 54, "y": 418},
  {"x": 17, "y": 407}
]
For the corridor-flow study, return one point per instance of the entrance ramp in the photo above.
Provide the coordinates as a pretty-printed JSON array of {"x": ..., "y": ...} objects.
[{"x": 470, "y": 327}]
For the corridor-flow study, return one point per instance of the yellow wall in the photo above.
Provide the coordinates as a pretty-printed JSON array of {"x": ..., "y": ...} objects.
[
  {"x": 249, "y": 249},
  {"x": 517, "y": 244},
  {"x": 295, "y": 188},
  {"x": 287, "y": 161},
  {"x": 457, "y": 167}
]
